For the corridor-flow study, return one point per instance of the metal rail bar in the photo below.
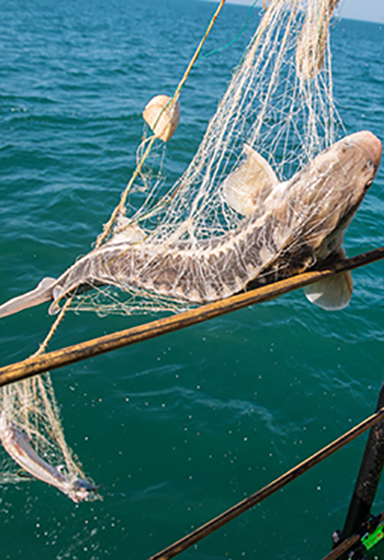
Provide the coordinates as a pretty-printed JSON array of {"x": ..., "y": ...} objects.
[{"x": 268, "y": 490}]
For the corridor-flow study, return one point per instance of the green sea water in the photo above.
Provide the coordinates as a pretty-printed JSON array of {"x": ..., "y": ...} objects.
[{"x": 179, "y": 428}]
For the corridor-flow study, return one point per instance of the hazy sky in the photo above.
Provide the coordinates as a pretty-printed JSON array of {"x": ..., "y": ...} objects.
[{"x": 369, "y": 10}]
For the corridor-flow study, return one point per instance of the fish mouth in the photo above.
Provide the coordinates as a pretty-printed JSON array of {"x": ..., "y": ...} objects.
[{"x": 84, "y": 490}]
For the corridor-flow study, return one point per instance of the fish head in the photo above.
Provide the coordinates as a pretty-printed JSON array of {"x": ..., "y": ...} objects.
[
  {"x": 320, "y": 201},
  {"x": 358, "y": 158},
  {"x": 83, "y": 490},
  {"x": 344, "y": 174}
]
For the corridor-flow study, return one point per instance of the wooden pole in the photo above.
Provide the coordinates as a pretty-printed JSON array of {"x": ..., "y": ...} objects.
[{"x": 83, "y": 350}]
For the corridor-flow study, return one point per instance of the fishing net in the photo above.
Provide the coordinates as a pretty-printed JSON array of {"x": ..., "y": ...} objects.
[
  {"x": 277, "y": 109},
  {"x": 31, "y": 406},
  {"x": 279, "y": 104}
]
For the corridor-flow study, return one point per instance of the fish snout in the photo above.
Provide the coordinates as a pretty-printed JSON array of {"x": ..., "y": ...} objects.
[
  {"x": 84, "y": 490},
  {"x": 371, "y": 145}
]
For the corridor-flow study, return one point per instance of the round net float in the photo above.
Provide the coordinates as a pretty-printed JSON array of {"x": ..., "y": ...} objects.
[{"x": 162, "y": 117}]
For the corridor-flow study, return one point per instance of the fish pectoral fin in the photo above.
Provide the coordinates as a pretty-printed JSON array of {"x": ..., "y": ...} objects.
[
  {"x": 331, "y": 293},
  {"x": 42, "y": 293},
  {"x": 24, "y": 474},
  {"x": 249, "y": 185},
  {"x": 127, "y": 232},
  {"x": 57, "y": 294}
]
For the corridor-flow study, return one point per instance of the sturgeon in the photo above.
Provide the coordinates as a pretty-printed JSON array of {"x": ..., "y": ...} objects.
[
  {"x": 17, "y": 445},
  {"x": 287, "y": 228}
]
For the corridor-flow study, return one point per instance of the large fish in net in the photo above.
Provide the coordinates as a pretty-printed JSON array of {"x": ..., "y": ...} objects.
[{"x": 290, "y": 227}]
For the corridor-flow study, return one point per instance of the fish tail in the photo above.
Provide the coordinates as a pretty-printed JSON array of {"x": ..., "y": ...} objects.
[{"x": 42, "y": 293}]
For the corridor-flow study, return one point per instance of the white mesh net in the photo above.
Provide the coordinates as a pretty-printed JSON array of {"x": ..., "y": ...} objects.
[{"x": 279, "y": 104}]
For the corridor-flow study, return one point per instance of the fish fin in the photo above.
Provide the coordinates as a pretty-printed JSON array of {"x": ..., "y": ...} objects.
[
  {"x": 250, "y": 184},
  {"x": 21, "y": 473},
  {"x": 127, "y": 232},
  {"x": 331, "y": 293},
  {"x": 42, "y": 293},
  {"x": 57, "y": 294}
]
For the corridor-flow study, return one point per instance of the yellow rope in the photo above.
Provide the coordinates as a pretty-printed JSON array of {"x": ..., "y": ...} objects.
[
  {"x": 194, "y": 58},
  {"x": 119, "y": 208},
  {"x": 53, "y": 328}
]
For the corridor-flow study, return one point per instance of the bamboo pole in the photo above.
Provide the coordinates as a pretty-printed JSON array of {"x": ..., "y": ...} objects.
[
  {"x": 84, "y": 350},
  {"x": 268, "y": 490}
]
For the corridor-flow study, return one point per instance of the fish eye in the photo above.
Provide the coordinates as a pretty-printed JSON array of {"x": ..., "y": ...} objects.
[{"x": 372, "y": 165}]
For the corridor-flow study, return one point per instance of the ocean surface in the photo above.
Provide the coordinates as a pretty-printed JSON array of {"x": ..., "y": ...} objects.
[{"x": 180, "y": 428}]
